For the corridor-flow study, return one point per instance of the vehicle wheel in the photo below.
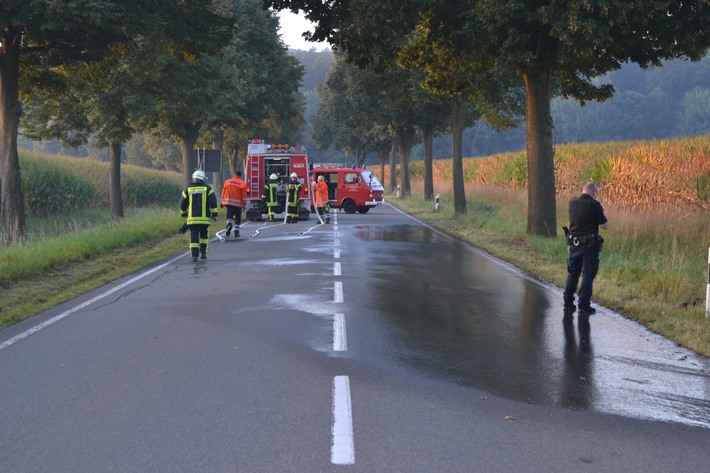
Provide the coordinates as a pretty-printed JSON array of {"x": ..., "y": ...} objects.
[
  {"x": 363, "y": 210},
  {"x": 349, "y": 207}
]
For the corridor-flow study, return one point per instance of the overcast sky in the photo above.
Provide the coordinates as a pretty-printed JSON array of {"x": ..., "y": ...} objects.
[{"x": 292, "y": 26}]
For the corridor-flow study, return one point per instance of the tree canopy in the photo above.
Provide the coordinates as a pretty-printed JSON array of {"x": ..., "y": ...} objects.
[{"x": 554, "y": 47}]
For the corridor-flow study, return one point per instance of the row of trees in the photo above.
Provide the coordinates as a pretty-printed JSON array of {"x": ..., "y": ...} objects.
[
  {"x": 204, "y": 72},
  {"x": 489, "y": 55}
]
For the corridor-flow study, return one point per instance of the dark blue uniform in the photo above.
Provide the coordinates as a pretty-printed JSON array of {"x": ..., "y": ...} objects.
[{"x": 585, "y": 214}]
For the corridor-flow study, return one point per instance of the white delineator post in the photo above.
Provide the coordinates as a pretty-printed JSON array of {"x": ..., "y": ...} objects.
[{"x": 707, "y": 290}]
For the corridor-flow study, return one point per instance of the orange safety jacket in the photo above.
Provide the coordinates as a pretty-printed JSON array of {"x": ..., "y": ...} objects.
[
  {"x": 321, "y": 194},
  {"x": 234, "y": 193}
]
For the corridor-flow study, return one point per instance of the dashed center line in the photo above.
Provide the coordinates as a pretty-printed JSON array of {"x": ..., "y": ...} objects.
[
  {"x": 342, "y": 451},
  {"x": 340, "y": 338},
  {"x": 338, "y": 292}
]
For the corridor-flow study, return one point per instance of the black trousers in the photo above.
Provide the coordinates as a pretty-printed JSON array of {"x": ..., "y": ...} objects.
[
  {"x": 199, "y": 239},
  {"x": 235, "y": 215},
  {"x": 582, "y": 262}
]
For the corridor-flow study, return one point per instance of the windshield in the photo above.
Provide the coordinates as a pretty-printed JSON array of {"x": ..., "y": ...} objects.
[{"x": 369, "y": 178}]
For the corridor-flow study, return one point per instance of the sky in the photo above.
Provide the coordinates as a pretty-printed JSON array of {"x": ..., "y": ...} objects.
[{"x": 292, "y": 26}]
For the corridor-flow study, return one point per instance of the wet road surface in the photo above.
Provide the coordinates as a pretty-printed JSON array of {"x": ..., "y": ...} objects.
[
  {"x": 373, "y": 344},
  {"x": 462, "y": 315}
]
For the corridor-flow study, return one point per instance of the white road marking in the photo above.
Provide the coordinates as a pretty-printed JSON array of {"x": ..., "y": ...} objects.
[
  {"x": 59, "y": 317},
  {"x": 338, "y": 292},
  {"x": 336, "y": 253},
  {"x": 342, "y": 451},
  {"x": 336, "y": 269},
  {"x": 340, "y": 337},
  {"x": 336, "y": 242}
]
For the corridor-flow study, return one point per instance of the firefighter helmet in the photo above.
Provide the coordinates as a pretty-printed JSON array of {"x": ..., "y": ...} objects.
[
  {"x": 199, "y": 175},
  {"x": 293, "y": 174},
  {"x": 273, "y": 177}
]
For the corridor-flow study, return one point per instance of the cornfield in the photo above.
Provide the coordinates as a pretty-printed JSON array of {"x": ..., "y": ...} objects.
[{"x": 660, "y": 175}]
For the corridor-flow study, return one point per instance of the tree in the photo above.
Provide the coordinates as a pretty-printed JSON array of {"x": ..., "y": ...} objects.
[
  {"x": 102, "y": 100},
  {"x": 36, "y": 36},
  {"x": 552, "y": 46}
]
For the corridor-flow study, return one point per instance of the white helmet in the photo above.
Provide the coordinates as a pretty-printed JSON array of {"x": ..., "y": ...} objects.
[
  {"x": 199, "y": 175},
  {"x": 293, "y": 174},
  {"x": 273, "y": 177}
]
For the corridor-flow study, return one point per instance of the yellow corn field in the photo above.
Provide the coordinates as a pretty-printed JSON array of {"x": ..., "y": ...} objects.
[{"x": 667, "y": 175}]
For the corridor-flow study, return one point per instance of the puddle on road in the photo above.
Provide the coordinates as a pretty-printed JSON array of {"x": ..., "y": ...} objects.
[{"x": 460, "y": 315}]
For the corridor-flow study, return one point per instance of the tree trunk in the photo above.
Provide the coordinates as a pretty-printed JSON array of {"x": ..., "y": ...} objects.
[
  {"x": 218, "y": 177},
  {"x": 189, "y": 158},
  {"x": 114, "y": 180},
  {"x": 12, "y": 201},
  {"x": 234, "y": 159},
  {"x": 383, "y": 159},
  {"x": 405, "y": 143},
  {"x": 428, "y": 141},
  {"x": 458, "y": 118},
  {"x": 393, "y": 166},
  {"x": 542, "y": 213},
  {"x": 359, "y": 157}
]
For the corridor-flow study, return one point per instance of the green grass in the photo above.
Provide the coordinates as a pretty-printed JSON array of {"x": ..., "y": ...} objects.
[
  {"x": 80, "y": 254},
  {"x": 656, "y": 277}
]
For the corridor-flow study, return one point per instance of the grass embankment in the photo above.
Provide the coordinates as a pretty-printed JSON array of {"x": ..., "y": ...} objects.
[
  {"x": 655, "y": 194},
  {"x": 48, "y": 271},
  {"x": 73, "y": 244}
]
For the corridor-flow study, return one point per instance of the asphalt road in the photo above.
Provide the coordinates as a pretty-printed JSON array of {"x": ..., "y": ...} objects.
[{"x": 371, "y": 344}]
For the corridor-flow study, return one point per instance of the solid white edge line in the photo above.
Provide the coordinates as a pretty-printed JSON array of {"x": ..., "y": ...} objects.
[
  {"x": 340, "y": 337},
  {"x": 59, "y": 317},
  {"x": 342, "y": 451},
  {"x": 338, "y": 292}
]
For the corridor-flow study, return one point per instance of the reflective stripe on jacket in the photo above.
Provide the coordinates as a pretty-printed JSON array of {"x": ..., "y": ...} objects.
[
  {"x": 198, "y": 204},
  {"x": 294, "y": 190},
  {"x": 234, "y": 193},
  {"x": 269, "y": 195}
]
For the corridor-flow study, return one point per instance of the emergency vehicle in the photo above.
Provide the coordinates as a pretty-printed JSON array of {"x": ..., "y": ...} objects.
[
  {"x": 350, "y": 189},
  {"x": 263, "y": 160}
]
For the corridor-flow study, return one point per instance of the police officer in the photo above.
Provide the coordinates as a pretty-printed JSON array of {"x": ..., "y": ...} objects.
[
  {"x": 586, "y": 215},
  {"x": 270, "y": 196},
  {"x": 198, "y": 204},
  {"x": 293, "y": 191}
]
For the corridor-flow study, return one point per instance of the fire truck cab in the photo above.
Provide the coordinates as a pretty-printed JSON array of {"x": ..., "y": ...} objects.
[
  {"x": 264, "y": 159},
  {"x": 353, "y": 190}
]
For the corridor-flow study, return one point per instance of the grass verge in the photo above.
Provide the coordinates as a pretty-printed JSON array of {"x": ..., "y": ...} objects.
[{"x": 88, "y": 251}]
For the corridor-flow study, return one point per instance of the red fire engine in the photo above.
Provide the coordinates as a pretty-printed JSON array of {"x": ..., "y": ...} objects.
[
  {"x": 262, "y": 161},
  {"x": 353, "y": 190}
]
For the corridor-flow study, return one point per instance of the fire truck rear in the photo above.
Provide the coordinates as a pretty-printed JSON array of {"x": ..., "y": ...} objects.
[{"x": 263, "y": 160}]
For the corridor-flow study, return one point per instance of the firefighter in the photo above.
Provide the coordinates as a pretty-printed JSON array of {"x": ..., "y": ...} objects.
[
  {"x": 198, "y": 205},
  {"x": 234, "y": 197},
  {"x": 321, "y": 194},
  {"x": 269, "y": 197},
  {"x": 293, "y": 190}
]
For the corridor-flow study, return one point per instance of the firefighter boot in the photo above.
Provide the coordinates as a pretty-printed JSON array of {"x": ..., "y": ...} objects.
[{"x": 229, "y": 227}]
